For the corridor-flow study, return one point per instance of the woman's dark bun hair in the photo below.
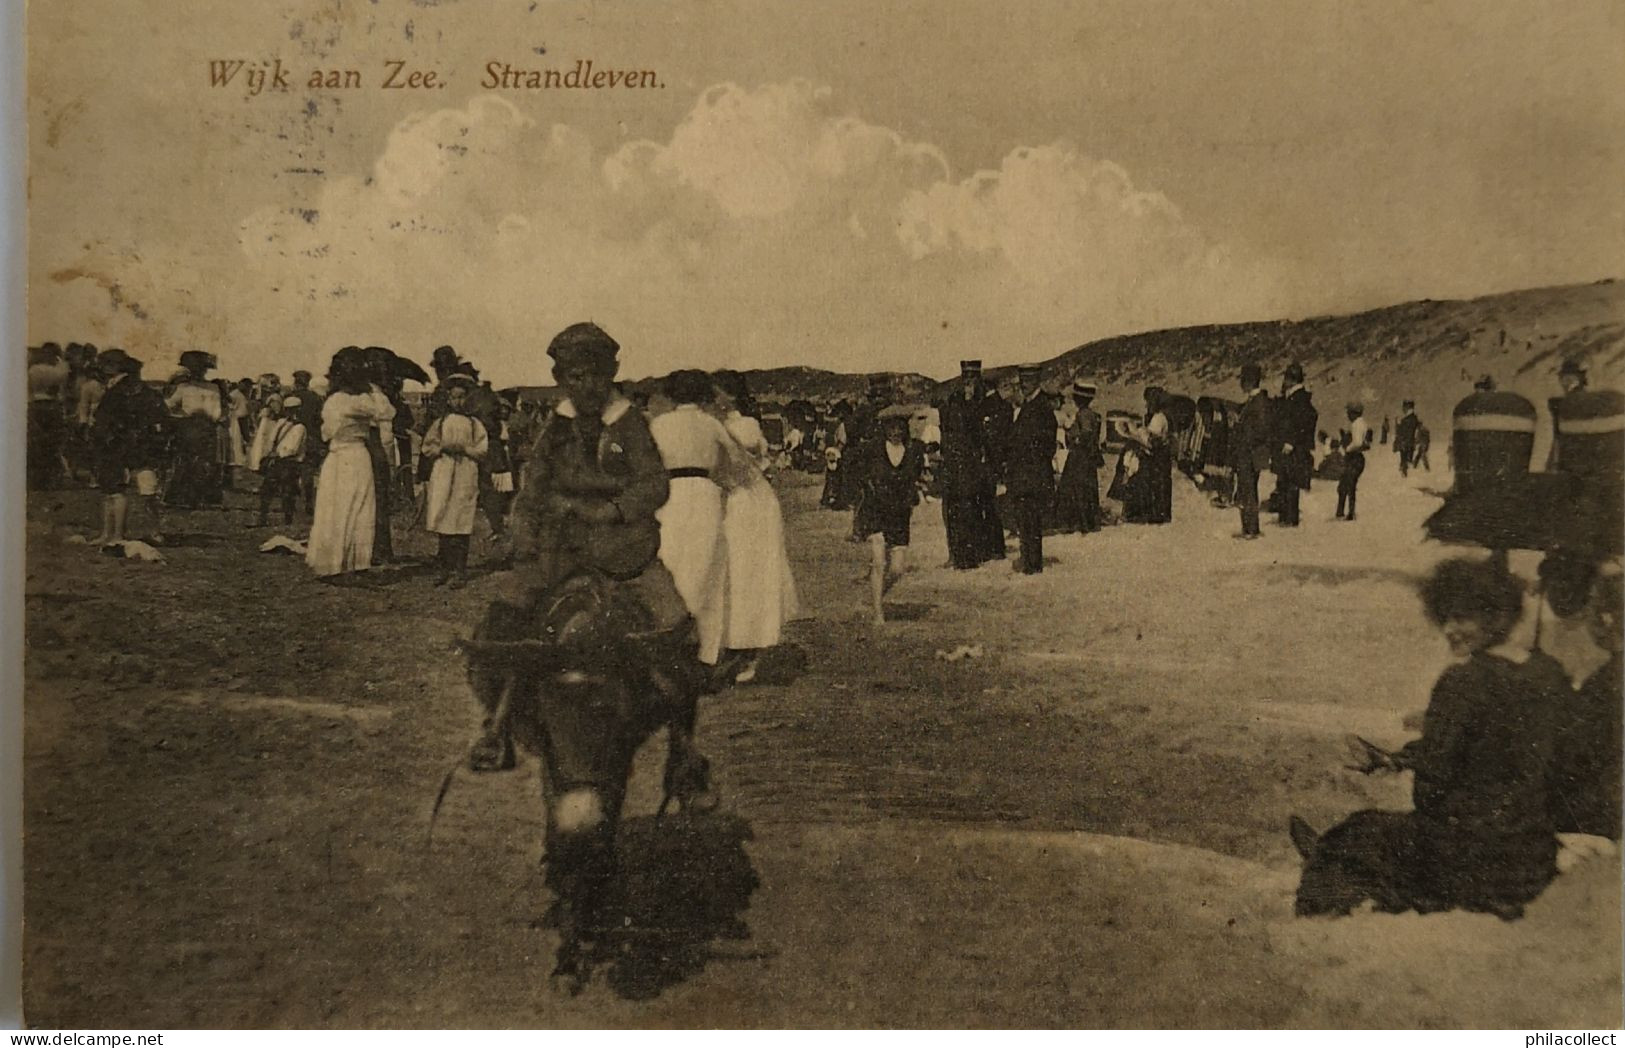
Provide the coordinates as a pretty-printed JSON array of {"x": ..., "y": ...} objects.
[
  {"x": 1483, "y": 591},
  {"x": 689, "y": 386},
  {"x": 348, "y": 370},
  {"x": 733, "y": 383},
  {"x": 1567, "y": 577}
]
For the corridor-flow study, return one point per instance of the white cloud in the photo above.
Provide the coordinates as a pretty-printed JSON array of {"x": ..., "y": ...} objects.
[{"x": 770, "y": 228}]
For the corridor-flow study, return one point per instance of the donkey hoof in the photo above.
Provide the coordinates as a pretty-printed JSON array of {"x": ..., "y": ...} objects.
[{"x": 568, "y": 978}]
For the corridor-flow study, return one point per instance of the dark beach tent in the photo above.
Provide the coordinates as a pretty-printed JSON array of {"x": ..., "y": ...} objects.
[
  {"x": 1589, "y": 435},
  {"x": 1216, "y": 416},
  {"x": 1534, "y": 511},
  {"x": 1181, "y": 412},
  {"x": 801, "y": 413},
  {"x": 1492, "y": 436},
  {"x": 1578, "y": 504}
]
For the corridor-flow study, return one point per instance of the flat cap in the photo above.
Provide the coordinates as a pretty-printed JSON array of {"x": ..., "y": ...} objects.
[{"x": 584, "y": 343}]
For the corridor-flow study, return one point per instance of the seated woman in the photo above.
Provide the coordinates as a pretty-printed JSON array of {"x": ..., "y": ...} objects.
[
  {"x": 1481, "y": 835},
  {"x": 1586, "y": 780}
]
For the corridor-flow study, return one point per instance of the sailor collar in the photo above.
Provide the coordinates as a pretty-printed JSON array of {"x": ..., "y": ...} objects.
[{"x": 612, "y": 413}]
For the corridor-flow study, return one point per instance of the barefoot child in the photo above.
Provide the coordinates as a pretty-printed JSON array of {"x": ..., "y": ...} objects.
[
  {"x": 456, "y": 442},
  {"x": 891, "y": 477}
]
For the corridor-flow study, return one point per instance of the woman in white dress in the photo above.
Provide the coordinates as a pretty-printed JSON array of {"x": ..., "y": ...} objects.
[
  {"x": 696, "y": 450},
  {"x": 341, "y": 536},
  {"x": 761, "y": 588}
]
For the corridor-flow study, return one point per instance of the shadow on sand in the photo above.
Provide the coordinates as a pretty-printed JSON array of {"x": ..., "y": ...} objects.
[{"x": 687, "y": 883}]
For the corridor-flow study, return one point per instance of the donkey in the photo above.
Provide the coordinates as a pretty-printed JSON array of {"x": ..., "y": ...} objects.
[{"x": 581, "y": 681}]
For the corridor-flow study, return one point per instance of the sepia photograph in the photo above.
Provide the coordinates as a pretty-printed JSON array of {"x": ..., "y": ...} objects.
[{"x": 753, "y": 514}]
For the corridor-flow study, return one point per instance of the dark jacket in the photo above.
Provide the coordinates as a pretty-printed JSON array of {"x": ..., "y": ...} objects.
[
  {"x": 1295, "y": 421},
  {"x": 622, "y": 467},
  {"x": 309, "y": 414},
  {"x": 1083, "y": 440},
  {"x": 1252, "y": 437},
  {"x": 130, "y": 427},
  {"x": 1405, "y": 433},
  {"x": 1486, "y": 749},
  {"x": 1029, "y": 469},
  {"x": 965, "y": 452},
  {"x": 1586, "y": 770},
  {"x": 999, "y": 416}
]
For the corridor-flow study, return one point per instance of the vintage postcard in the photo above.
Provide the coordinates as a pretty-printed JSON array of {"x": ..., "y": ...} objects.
[{"x": 748, "y": 513}]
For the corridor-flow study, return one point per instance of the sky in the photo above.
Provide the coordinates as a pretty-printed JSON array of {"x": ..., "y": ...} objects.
[{"x": 847, "y": 184}]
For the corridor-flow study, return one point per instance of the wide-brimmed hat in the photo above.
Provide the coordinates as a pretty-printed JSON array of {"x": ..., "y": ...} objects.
[
  {"x": 119, "y": 361},
  {"x": 351, "y": 360},
  {"x": 444, "y": 358},
  {"x": 198, "y": 361}
]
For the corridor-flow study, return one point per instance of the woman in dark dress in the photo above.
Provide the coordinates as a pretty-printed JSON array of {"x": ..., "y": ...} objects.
[
  {"x": 1481, "y": 835},
  {"x": 1586, "y": 780},
  {"x": 890, "y": 477},
  {"x": 1148, "y": 492}
]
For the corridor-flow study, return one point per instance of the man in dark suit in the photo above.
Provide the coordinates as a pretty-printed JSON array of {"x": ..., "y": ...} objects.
[
  {"x": 1250, "y": 446},
  {"x": 1295, "y": 420},
  {"x": 1405, "y": 434},
  {"x": 1029, "y": 474},
  {"x": 968, "y": 510}
]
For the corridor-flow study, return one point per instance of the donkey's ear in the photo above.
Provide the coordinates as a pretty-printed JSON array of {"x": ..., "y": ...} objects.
[{"x": 1304, "y": 837}]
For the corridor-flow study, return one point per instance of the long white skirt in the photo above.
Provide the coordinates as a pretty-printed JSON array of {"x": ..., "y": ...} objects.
[
  {"x": 761, "y": 589},
  {"x": 692, "y": 549},
  {"x": 346, "y": 510}
]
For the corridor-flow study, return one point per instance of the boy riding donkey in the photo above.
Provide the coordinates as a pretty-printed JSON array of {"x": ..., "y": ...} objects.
[{"x": 594, "y": 649}]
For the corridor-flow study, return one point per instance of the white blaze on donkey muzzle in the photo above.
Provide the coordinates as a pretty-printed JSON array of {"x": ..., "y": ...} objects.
[{"x": 577, "y": 811}]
